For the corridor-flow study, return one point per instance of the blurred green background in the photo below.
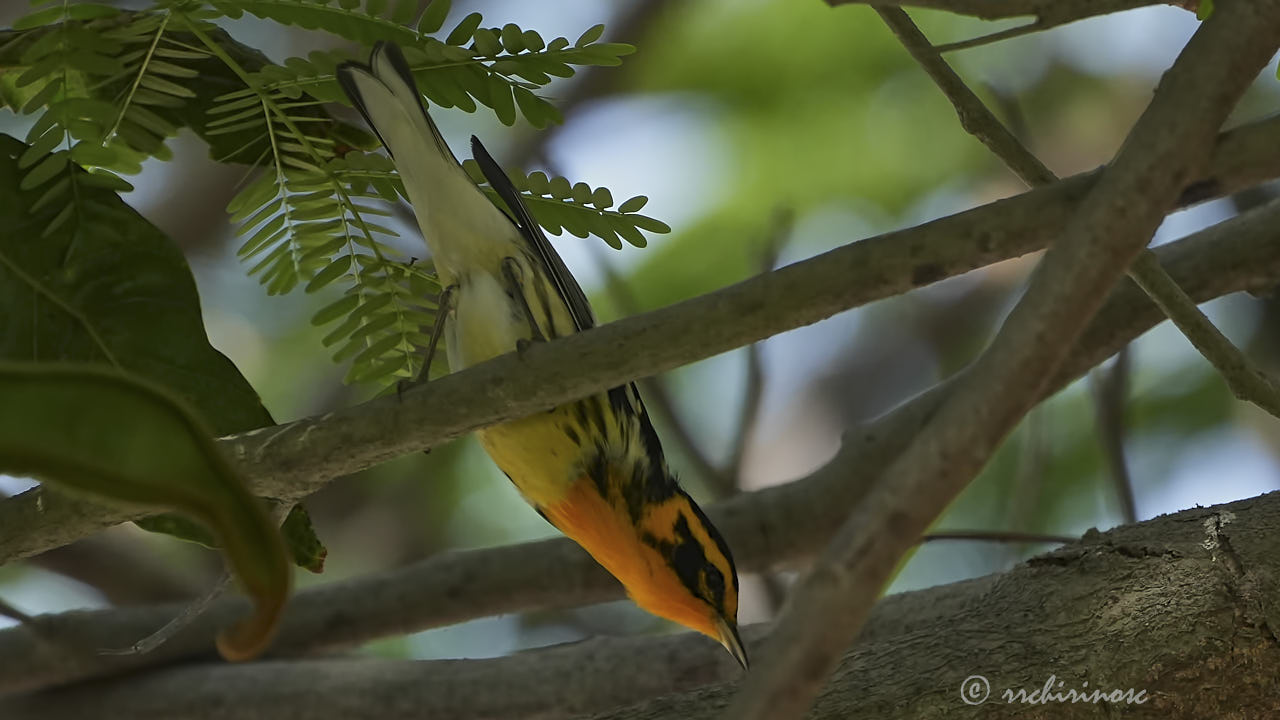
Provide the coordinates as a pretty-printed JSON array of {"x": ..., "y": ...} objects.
[{"x": 757, "y": 128}]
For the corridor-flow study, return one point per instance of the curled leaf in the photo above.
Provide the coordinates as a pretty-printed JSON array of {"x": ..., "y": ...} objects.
[{"x": 118, "y": 438}]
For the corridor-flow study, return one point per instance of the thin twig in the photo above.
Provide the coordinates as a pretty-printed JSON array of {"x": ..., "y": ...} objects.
[
  {"x": 1028, "y": 480},
  {"x": 1057, "y": 11},
  {"x": 754, "y": 382},
  {"x": 974, "y": 116},
  {"x": 194, "y": 609},
  {"x": 176, "y": 624},
  {"x": 1110, "y": 388},
  {"x": 14, "y": 613},
  {"x": 998, "y": 536},
  {"x": 1247, "y": 382},
  {"x": 989, "y": 38}
]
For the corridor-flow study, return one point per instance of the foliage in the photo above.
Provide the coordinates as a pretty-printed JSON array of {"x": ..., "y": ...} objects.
[
  {"x": 83, "y": 426},
  {"x": 104, "y": 286},
  {"x": 109, "y": 87}
]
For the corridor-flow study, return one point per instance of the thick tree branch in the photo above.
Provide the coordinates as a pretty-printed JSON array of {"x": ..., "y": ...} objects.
[
  {"x": 768, "y": 528},
  {"x": 1165, "y": 148},
  {"x": 294, "y": 460},
  {"x": 1196, "y": 590}
]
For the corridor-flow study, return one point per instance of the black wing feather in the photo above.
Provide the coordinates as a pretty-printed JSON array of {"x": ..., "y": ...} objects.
[{"x": 565, "y": 283}]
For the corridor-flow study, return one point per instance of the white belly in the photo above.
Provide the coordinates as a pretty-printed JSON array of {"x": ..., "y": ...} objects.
[{"x": 485, "y": 322}]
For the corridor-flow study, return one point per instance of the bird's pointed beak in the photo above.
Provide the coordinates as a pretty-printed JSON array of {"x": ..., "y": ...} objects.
[{"x": 727, "y": 634}]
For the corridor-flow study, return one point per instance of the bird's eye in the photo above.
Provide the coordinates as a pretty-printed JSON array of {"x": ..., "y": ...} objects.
[{"x": 713, "y": 581}]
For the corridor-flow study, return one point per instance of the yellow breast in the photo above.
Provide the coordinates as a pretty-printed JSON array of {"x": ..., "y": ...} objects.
[{"x": 538, "y": 453}]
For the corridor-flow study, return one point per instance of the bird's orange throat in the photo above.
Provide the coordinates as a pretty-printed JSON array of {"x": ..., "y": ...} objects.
[{"x": 606, "y": 531}]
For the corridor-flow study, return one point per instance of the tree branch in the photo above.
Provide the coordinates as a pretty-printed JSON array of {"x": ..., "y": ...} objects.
[
  {"x": 1247, "y": 382},
  {"x": 768, "y": 528},
  {"x": 1115, "y": 221},
  {"x": 1194, "y": 589},
  {"x": 1049, "y": 12},
  {"x": 293, "y": 460}
]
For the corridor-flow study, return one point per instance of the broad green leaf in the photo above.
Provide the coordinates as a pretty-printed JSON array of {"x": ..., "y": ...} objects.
[
  {"x": 107, "y": 287},
  {"x": 96, "y": 430}
]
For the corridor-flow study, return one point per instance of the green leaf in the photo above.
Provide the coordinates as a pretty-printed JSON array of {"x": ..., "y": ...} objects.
[
  {"x": 464, "y": 30},
  {"x": 487, "y": 42},
  {"x": 45, "y": 170},
  {"x": 531, "y": 106},
  {"x": 334, "y": 310},
  {"x": 559, "y": 188},
  {"x": 79, "y": 11},
  {"x": 105, "y": 286},
  {"x": 330, "y": 273},
  {"x": 99, "y": 431},
  {"x": 51, "y": 193},
  {"x": 42, "y": 146},
  {"x": 304, "y": 545},
  {"x": 104, "y": 179},
  {"x": 365, "y": 26},
  {"x": 601, "y": 198},
  {"x": 433, "y": 17},
  {"x": 512, "y": 38},
  {"x": 592, "y": 34},
  {"x": 537, "y": 183},
  {"x": 635, "y": 204},
  {"x": 403, "y": 11},
  {"x": 166, "y": 87},
  {"x": 650, "y": 224}
]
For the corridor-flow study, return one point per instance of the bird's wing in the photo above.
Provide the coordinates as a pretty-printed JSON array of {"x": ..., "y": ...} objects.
[{"x": 532, "y": 233}]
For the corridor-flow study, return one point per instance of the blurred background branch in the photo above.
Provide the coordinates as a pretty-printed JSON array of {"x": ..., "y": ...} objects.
[
  {"x": 775, "y": 527},
  {"x": 293, "y": 460}
]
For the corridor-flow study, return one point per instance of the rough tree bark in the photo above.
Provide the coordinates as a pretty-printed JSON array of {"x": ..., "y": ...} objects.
[{"x": 1182, "y": 610}]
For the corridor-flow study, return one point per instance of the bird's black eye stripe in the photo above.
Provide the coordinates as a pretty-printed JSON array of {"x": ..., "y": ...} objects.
[
  {"x": 714, "y": 581},
  {"x": 687, "y": 556},
  {"x": 715, "y": 537}
]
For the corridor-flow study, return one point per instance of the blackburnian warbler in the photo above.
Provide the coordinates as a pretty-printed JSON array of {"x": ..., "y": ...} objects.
[{"x": 593, "y": 468}]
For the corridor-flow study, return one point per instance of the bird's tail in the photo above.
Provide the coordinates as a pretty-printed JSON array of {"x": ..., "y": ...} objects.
[
  {"x": 462, "y": 228},
  {"x": 386, "y": 95}
]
